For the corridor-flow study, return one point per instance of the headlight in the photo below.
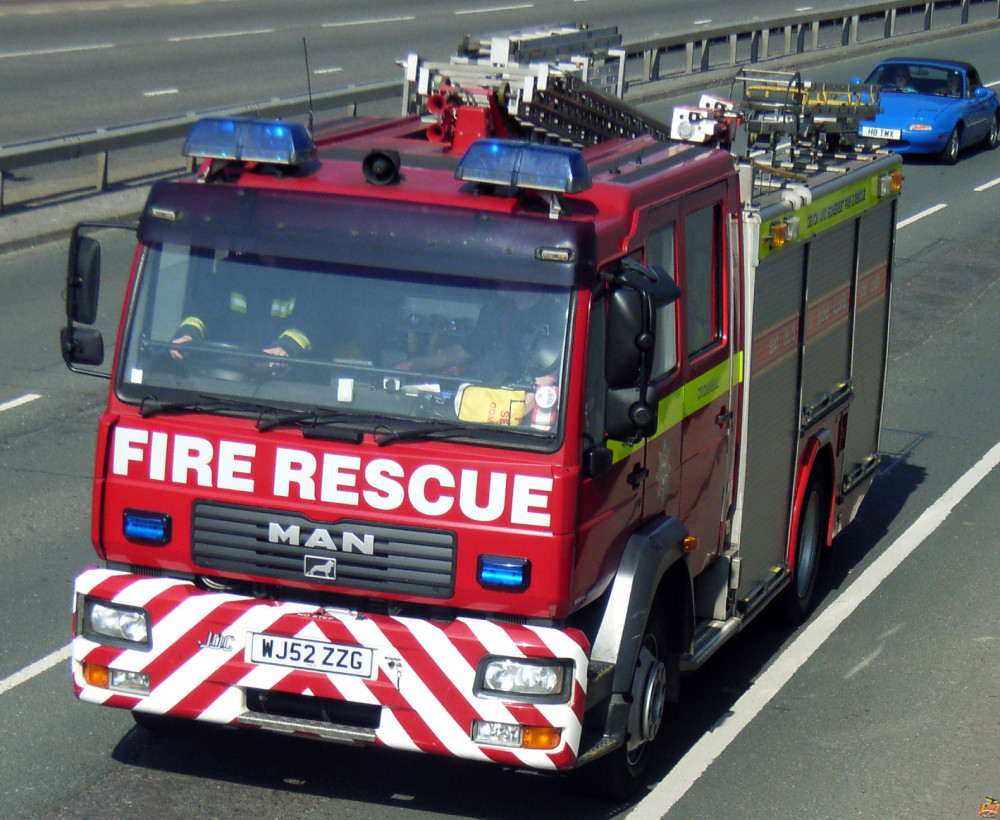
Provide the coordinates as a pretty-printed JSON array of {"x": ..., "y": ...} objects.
[
  {"x": 114, "y": 624},
  {"x": 529, "y": 679}
]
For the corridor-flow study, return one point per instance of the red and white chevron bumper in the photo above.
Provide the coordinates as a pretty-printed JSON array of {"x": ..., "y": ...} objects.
[{"x": 404, "y": 683}]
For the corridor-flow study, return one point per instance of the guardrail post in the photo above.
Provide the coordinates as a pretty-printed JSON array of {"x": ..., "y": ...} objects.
[
  {"x": 928, "y": 15},
  {"x": 889, "y": 24},
  {"x": 705, "y": 55},
  {"x": 102, "y": 171},
  {"x": 734, "y": 42},
  {"x": 788, "y": 39},
  {"x": 965, "y": 12},
  {"x": 651, "y": 64},
  {"x": 3, "y": 175},
  {"x": 689, "y": 57}
]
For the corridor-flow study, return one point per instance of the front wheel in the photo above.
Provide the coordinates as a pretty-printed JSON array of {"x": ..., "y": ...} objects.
[
  {"x": 797, "y": 598},
  {"x": 618, "y": 775},
  {"x": 949, "y": 155}
]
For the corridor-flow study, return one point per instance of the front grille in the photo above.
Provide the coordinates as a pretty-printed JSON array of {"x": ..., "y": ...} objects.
[{"x": 344, "y": 554}]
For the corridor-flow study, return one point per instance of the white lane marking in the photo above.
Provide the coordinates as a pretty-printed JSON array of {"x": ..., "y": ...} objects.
[
  {"x": 331, "y": 70},
  {"x": 372, "y": 21},
  {"x": 185, "y": 38},
  {"x": 703, "y": 22},
  {"x": 911, "y": 219},
  {"x": 495, "y": 9},
  {"x": 34, "y": 669},
  {"x": 46, "y": 52},
  {"x": 162, "y": 92},
  {"x": 987, "y": 185},
  {"x": 20, "y": 400},
  {"x": 694, "y": 764}
]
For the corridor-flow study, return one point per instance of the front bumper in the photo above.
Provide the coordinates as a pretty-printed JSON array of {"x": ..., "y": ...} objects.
[{"x": 419, "y": 695}]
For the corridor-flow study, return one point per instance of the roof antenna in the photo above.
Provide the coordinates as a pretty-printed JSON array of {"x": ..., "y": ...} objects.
[{"x": 305, "y": 52}]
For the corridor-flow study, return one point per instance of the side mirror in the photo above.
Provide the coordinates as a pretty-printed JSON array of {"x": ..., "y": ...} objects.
[
  {"x": 629, "y": 415},
  {"x": 81, "y": 345},
  {"x": 622, "y": 357},
  {"x": 83, "y": 279},
  {"x": 981, "y": 92}
]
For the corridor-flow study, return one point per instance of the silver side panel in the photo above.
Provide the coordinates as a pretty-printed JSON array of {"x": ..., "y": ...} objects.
[
  {"x": 772, "y": 361},
  {"x": 875, "y": 236}
]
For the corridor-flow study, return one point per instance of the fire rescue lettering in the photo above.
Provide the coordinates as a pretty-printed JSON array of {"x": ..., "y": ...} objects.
[{"x": 380, "y": 484}]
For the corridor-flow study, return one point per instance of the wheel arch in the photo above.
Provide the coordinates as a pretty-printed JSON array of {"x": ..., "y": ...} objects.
[
  {"x": 817, "y": 459},
  {"x": 651, "y": 573}
]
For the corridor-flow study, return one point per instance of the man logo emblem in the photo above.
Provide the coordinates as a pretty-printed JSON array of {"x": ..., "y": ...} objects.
[{"x": 320, "y": 566}]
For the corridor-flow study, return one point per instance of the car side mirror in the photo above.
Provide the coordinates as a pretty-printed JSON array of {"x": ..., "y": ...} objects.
[{"x": 981, "y": 92}]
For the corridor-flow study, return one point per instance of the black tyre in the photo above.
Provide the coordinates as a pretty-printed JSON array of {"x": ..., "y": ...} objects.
[
  {"x": 993, "y": 137},
  {"x": 797, "y": 599},
  {"x": 619, "y": 775},
  {"x": 949, "y": 154}
]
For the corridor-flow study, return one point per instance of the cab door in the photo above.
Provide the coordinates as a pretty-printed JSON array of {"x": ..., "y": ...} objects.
[{"x": 695, "y": 394}]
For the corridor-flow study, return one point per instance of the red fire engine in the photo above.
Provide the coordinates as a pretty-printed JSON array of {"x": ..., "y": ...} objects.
[{"x": 470, "y": 431}]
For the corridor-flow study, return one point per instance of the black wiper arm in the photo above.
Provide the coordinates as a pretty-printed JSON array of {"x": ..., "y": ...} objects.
[
  {"x": 432, "y": 430},
  {"x": 315, "y": 424},
  {"x": 203, "y": 404}
]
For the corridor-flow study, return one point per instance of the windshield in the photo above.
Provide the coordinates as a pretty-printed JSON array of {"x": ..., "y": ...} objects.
[
  {"x": 370, "y": 347},
  {"x": 918, "y": 78}
]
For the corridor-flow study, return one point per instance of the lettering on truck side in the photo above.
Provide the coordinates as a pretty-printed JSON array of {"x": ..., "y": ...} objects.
[{"x": 380, "y": 484}]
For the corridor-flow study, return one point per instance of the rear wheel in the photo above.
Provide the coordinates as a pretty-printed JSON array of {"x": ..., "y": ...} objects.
[
  {"x": 949, "y": 155},
  {"x": 797, "y": 598},
  {"x": 993, "y": 137}
]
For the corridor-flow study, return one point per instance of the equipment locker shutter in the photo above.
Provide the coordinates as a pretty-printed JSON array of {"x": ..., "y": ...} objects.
[
  {"x": 827, "y": 360},
  {"x": 773, "y": 415},
  {"x": 871, "y": 331}
]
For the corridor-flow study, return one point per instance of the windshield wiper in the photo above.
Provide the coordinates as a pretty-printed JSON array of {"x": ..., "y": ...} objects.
[
  {"x": 426, "y": 430},
  {"x": 203, "y": 404},
  {"x": 316, "y": 424}
]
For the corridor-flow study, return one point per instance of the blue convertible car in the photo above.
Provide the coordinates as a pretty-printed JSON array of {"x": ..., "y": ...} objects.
[{"x": 932, "y": 107}]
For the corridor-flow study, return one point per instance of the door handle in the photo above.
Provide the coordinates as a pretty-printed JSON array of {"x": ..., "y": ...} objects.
[{"x": 637, "y": 476}]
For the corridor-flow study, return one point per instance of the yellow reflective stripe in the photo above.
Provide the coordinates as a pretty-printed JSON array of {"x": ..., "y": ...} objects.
[
  {"x": 282, "y": 308},
  {"x": 237, "y": 302},
  {"x": 195, "y": 322},
  {"x": 298, "y": 337},
  {"x": 673, "y": 408}
]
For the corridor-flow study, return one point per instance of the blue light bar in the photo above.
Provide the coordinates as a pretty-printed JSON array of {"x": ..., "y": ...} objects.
[
  {"x": 525, "y": 165},
  {"x": 499, "y": 572},
  {"x": 282, "y": 143},
  {"x": 147, "y": 527}
]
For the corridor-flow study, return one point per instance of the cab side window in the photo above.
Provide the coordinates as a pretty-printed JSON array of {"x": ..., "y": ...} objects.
[
  {"x": 661, "y": 253},
  {"x": 703, "y": 254}
]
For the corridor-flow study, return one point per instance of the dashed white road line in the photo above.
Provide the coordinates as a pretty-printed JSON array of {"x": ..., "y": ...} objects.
[
  {"x": 370, "y": 22},
  {"x": 31, "y": 671},
  {"x": 918, "y": 216},
  {"x": 986, "y": 185},
  {"x": 495, "y": 9},
  {"x": 19, "y": 401},
  {"x": 185, "y": 38},
  {"x": 694, "y": 764},
  {"x": 48, "y": 52}
]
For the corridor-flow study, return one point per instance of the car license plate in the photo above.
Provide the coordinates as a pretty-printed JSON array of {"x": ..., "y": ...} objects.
[
  {"x": 880, "y": 133},
  {"x": 315, "y": 656}
]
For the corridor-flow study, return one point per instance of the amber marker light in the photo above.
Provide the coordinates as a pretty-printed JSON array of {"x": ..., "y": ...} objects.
[
  {"x": 95, "y": 675},
  {"x": 540, "y": 737}
]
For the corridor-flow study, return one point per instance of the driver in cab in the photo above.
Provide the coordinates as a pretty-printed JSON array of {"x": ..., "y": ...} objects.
[{"x": 240, "y": 301}]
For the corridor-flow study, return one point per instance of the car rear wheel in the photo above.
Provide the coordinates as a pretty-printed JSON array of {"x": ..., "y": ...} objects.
[
  {"x": 993, "y": 137},
  {"x": 949, "y": 156}
]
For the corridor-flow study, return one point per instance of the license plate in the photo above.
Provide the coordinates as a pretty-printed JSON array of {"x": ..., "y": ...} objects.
[
  {"x": 315, "y": 656},
  {"x": 880, "y": 133}
]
